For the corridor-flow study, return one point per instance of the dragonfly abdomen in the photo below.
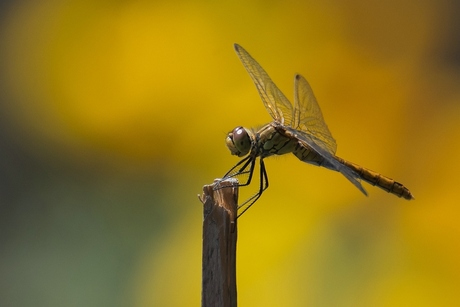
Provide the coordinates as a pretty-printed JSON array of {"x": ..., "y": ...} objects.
[
  {"x": 379, "y": 180},
  {"x": 308, "y": 155}
]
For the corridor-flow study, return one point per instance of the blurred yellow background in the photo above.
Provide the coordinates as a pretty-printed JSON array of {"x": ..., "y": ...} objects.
[{"x": 113, "y": 116}]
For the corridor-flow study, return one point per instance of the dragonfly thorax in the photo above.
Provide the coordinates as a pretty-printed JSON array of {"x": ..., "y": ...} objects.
[{"x": 240, "y": 141}]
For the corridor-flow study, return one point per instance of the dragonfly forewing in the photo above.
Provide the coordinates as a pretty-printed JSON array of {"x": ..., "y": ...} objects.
[{"x": 277, "y": 105}]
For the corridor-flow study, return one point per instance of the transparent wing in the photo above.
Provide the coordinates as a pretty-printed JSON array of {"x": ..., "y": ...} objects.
[
  {"x": 309, "y": 141},
  {"x": 308, "y": 117},
  {"x": 274, "y": 100}
]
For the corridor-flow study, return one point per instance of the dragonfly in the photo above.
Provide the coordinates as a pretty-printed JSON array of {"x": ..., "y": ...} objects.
[{"x": 299, "y": 129}]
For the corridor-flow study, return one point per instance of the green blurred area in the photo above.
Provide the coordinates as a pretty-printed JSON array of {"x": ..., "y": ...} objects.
[{"x": 113, "y": 116}]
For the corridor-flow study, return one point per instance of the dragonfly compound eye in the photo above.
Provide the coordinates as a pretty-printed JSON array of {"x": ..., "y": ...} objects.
[{"x": 239, "y": 142}]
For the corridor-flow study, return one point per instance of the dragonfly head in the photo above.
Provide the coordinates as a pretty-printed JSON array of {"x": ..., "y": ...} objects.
[{"x": 239, "y": 141}]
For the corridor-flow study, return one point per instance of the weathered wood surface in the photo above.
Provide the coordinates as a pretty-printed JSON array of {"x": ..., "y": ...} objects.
[{"x": 219, "y": 245}]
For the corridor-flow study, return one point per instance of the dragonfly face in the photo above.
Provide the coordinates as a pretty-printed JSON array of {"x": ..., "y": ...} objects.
[
  {"x": 240, "y": 141},
  {"x": 298, "y": 128}
]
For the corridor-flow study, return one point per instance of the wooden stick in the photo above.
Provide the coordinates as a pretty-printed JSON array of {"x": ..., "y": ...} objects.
[{"x": 219, "y": 244}]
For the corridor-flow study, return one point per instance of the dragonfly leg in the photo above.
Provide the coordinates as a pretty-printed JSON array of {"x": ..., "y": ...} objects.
[
  {"x": 251, "y": 172},
  {"x": 263, "y": 186},
  {"x": 248, "y": 161},
  {"x": 229, "y": 173}
]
